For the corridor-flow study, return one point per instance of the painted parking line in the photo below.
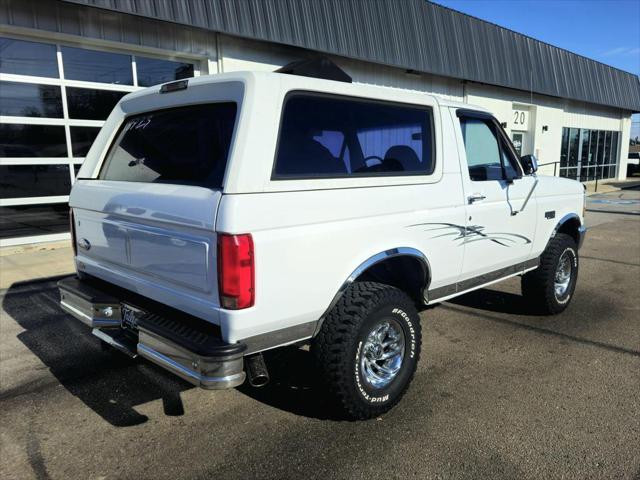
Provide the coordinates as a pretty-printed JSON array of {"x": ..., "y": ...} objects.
[{"x": 615, "y": 202}]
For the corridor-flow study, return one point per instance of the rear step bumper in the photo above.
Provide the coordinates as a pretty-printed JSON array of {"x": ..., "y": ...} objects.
[{"x": 184, "y": 345}]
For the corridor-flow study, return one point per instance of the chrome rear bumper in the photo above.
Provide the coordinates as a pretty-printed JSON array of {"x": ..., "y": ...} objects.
[
  {"x": 88, "y": 304},
  {"x": 187, "y": 347}
]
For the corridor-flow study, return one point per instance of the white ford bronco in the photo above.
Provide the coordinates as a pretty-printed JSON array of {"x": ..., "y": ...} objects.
[{"x": 218, "y": 217}]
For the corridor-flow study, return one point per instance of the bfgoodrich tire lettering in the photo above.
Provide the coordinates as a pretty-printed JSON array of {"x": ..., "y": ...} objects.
[
  {"x": 544, "y": 288},
  {"x": 344, "y": 338}
]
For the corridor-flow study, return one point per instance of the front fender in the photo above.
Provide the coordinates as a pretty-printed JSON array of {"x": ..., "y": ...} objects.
[{"x": 572, "y": 224}]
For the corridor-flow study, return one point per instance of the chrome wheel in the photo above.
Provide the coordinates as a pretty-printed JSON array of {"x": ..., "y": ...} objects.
[
  {"x": 563, "y": 275},
  {"x": 382, "y": 353}
]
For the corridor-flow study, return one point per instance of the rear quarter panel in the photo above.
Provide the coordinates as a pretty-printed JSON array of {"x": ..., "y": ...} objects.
[{"x": 308, "y": 243}]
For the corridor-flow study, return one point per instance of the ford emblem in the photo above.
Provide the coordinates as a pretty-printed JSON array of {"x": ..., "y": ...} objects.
[{"x": 84, "y": 244}]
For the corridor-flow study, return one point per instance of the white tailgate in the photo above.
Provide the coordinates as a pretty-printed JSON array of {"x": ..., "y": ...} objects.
[{"x": 155, "y": 239}]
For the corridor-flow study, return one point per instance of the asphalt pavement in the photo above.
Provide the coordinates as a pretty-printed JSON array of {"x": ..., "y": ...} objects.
[{"x": 499, "y": 393}]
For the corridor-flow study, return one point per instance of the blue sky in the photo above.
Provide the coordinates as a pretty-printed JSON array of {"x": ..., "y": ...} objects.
[{"x": 606, "y": 30}]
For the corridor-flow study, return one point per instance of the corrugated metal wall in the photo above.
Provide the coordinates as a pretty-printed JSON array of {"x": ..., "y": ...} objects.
[
  {"x": 413, "y": 34},
  {"x": 65, "y": 18}
]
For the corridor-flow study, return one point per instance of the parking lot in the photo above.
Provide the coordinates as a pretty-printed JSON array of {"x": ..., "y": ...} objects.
[{"x": 499, "y": 393}]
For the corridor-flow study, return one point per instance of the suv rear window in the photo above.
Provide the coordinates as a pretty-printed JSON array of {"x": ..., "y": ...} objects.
[
  {"x": 332, "y": 136},
  {"x": 184, "y": 145}
]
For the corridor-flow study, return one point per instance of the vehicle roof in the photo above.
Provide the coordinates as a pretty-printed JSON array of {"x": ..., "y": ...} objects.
[
  {"x": 444, "y": 102},
  {"x": 293, "y": 82}
]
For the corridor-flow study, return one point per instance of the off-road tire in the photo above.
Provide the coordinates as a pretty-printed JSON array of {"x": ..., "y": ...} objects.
[
  {"x": 538, "y": 285},
  {"x": 337, "y": 348}
]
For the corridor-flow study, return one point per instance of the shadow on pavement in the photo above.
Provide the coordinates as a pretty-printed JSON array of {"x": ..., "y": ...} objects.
[
  {"x": 628, "y": 185},
  {"x": 495, "y": 301},
  {"x": 108, "y": 382},
  {"x": 294, "y": 385},
  {"x": 508, "y": 303},
  {"x": 111, "y": 384}
]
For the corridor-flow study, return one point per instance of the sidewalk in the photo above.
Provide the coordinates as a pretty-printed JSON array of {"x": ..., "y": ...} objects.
[
  {"x": 31, "y": 262},
  {"x": 608, "y": 186}
]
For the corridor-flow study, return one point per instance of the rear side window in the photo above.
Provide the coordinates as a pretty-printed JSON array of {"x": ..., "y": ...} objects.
[
  {"x": 185, "y": 145},
  {"x": 329, "y": 136}
]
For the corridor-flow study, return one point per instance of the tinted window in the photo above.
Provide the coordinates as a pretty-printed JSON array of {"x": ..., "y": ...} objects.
[
  {"x": 614, "y": 147},
  {"x": 82, "y": 138},
  {"x": 574, "y": 145},
  {"x": 187, "y": 145},
  {"x": 601, "y": 146},
  {"x": 28, "y": 58},
  {"x": 30, "y": 100},
  {"x": 586, "y": 167},
  {"x": 152, "y": 71},
  {"x": 584, "y": 158},
  {"x": 564, "y": 147},
  {"x": 89, "y": 104},
  {"x": 28, "y": 220},
  {"x": 18, "y": 140},
  {"x": 322, "y": 136},
  {"x": 34, "y": 180},
  {"x": 95, "y": 66},
  {"x": 607, "y": 148}
]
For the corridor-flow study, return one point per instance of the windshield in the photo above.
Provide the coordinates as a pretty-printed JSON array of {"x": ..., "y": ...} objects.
[{"x": 184, "y": 145}]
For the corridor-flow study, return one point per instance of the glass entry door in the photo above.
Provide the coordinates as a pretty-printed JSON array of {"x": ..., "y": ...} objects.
[{"x": 586, "y": 154}]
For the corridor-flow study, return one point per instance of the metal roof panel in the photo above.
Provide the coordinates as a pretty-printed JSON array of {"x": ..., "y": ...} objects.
[{"x": 410, "y": 34}]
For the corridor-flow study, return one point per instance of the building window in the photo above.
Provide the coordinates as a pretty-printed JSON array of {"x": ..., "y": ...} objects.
[
  {"x": 53, "y": 100},
  {"x": 81, "y": 139},
  {"x": 588, "y": 154},
  {"x": 30, "y": 100},
  {"x": 36, "y": 141},
  {"x": 33, "y": 220},
  {"x": 28, "y": 58},
  {"x": 91, "y": 104},
  {"x": 152, "y": 71},
  {"x": 96, "y": 66}
]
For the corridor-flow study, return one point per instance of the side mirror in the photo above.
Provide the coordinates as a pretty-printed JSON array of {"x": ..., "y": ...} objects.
[{"x": 529, "y": 164}]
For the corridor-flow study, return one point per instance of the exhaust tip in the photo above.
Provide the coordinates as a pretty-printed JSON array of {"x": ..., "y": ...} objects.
[
  {"x": 257, "y": 370},
  {"x": 258, "y": 381}
]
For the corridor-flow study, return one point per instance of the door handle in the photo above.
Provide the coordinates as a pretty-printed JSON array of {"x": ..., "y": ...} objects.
[{"x": 476, "y": 197}]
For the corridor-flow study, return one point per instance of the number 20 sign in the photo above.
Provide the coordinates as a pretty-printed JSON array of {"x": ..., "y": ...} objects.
[{"x": 520, "y": 119}]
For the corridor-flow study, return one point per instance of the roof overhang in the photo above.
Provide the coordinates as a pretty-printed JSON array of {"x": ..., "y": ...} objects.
[{"x": 412, "y": 34}]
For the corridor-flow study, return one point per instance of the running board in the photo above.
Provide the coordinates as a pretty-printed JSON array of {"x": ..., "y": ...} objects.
[{"x": 443, "y": 293}]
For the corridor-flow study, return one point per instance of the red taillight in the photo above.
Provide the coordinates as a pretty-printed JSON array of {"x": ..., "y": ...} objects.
[
  {"x": 72, "y": 229},
  {"x": 236, "y": 271}
]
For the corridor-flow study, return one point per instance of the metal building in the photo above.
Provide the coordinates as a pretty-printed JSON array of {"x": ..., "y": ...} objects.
[{"x": 65, "y": 63}]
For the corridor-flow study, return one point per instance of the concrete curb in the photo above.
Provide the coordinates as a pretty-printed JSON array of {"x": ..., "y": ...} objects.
[
  {"x": 614, "y": 186},
  {"x": 34, "y": 247}
]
